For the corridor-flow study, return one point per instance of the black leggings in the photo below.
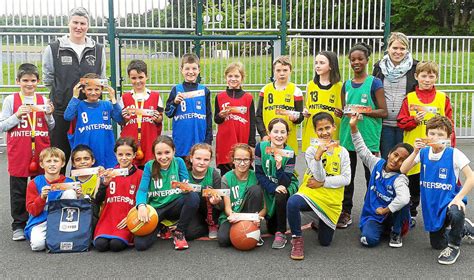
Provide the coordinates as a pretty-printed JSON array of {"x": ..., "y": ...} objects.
[
  {"x": 182, "y": 209},
  {"x": 253, "y": 202},
  {"x": 112, "y": 244},
  {"x": 278, "y": 221}
]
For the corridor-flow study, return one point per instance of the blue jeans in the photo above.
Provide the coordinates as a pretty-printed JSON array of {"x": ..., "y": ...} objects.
[
  {"x": 372, "y": 230},
  {"x": 441, "y": 238},
  {"x": 296, "y": 204},
  {"x": 389, "y": 137}
]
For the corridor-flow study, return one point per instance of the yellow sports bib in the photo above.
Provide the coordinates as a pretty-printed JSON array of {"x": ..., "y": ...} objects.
[
  {"x": 320, "y": 100},
  {"x": 280, "y": 99},
  {"x": 326, "y": 202},
  {"x": 89, "y": 186},
  {"x": 420, "y": 130}
]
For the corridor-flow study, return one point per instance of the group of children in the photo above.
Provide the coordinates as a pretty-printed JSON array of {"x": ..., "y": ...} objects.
[{"x": 334, "y": 133}]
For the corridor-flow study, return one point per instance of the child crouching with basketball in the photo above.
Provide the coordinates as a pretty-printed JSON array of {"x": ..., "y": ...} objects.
[
  {"x": 386, "y": 204},
  {"x": 246, "y": 195},
  {"x": 322, "y": 190},
  {"x": 39, "y": 192},
  {"x": 443, "y": 198},
  {"x": 156, "y": 190},
  {"x": 118, "y": 194}
]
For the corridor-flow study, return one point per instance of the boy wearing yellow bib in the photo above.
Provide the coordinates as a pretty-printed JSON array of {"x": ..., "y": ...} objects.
[
  {"x": 322, "y": 190},
  {"x": 83, "y": 157},
  {"x": 280, "y": 95},
  {"x": 418, "y": 107}
]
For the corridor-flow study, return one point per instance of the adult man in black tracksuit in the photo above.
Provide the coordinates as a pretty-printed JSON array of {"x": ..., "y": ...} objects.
[{"x": 65, "y": 61}]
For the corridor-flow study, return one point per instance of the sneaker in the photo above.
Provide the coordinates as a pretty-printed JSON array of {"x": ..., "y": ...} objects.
[
  {"x": 413, "y": 222},
  {"x": 180, "y": 242},
  {"x": 449, "y": 255},
  {"x": 344, "y": 221},
  {"x": 297, "y": 248},
  {"x": 260, "y": 242},
  {"x": 18, "y": 235},
  {"x": 395, "y": 240},
  {"x": 468, "y": 230},
  {"x": 213, "y": 232},
  {"x": 280, "y": 241},
  {"x": 165, "y": 233}
]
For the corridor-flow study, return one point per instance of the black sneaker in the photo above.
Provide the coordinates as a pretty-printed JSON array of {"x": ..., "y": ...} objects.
[
  {"x": 395, "y": 240},
  {"x": 449, "y": 255},
  {"x": 260, "y": 242},
  {"x": 468, "y": 233},
  {"x": 412, "y": 222}
]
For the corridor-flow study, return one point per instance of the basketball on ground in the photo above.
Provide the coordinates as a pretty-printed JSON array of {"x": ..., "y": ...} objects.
[{"x": 244, "y": 235}]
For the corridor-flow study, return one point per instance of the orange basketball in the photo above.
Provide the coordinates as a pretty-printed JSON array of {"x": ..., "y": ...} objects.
[
  {"x": 141, "y": 228},
  {"x": 244, "y": 235}
]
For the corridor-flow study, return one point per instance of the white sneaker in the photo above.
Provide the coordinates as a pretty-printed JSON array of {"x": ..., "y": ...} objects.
[{"x": 18, "y": 235}]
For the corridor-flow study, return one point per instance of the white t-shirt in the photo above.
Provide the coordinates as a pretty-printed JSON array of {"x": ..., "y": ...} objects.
[
  {"x": 78, "y": 48},
  {"x": 460, "y": 160}
]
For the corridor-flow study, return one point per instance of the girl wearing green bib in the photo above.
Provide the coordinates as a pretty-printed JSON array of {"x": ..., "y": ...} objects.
[
  {"x": 276, "y": 175},
  {"x": 322, "y": 189},
  {"x": 365, "y": 90},
  {"x": 155, "y": 189},
  {"x": 208, "y": 177},
  {"x": 246, "y": 196}
]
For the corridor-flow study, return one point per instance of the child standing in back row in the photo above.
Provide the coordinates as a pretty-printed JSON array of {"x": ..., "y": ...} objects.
[
  {"x": 361, "y": 90},
  {"x": 234, "y": 115},
  {"x": 94, "y": 120},
  {"x": 280, "y": 95},
  {"x": 189, "y": 107},
  {"x": 323, "y": 94},
  {"x": 144, "y": 128},
  {"x": 27, "y": 136}
]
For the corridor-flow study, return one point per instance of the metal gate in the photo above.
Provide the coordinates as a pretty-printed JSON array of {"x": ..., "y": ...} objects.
[{"x": 299, "y": 28}]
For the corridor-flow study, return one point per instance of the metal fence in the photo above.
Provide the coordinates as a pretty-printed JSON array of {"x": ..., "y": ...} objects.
[{"x": 312, "y": 26}]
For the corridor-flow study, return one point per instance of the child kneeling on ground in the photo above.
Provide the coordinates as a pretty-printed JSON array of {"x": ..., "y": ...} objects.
[
  {"x": 386, "y": 203},
  {"x": 443, "y": 198},
  {"x": 39, "y": 193}
]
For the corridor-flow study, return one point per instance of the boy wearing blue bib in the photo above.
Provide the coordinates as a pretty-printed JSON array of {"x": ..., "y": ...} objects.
[
  {"x": 189, "y": 107},
  {"x": 386, "y": 203},
  {"x": 443, "y": 198}
]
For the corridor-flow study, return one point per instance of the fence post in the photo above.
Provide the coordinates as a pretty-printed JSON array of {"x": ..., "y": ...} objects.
[
  {"x": 198, "y": 31},
  {"x": 112, "y": 44},
  {"x": 111, "y": 39},
  {"x": 386, "y": 27},
  {"x": 283, "y": 27}
]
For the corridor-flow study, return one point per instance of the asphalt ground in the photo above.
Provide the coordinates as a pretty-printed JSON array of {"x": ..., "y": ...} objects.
[{"x": 344, "y": 258}]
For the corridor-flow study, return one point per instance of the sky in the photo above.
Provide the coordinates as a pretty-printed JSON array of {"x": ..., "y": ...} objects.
[{"x": 62, "y": 7}]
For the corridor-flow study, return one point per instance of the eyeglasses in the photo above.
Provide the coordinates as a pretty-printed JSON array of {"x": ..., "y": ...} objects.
[{"x": 242, "y": 160}]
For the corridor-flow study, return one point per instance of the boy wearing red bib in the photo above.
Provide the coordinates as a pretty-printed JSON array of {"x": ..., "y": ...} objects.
[
  {"x": 26, "y": 122},
  {"x": 142, "y": 126}
]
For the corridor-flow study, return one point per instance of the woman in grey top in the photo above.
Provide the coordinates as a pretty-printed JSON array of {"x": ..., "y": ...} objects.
[{"x": 397, "y": 71}]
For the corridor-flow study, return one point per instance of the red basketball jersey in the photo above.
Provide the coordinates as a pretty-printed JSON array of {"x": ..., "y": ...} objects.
[
  {"x": 119, "y": 199},
  {"x": 19, "y": 140},
  {"x": 235, "y": 128},
  {"x": 150, "y": 130}
]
